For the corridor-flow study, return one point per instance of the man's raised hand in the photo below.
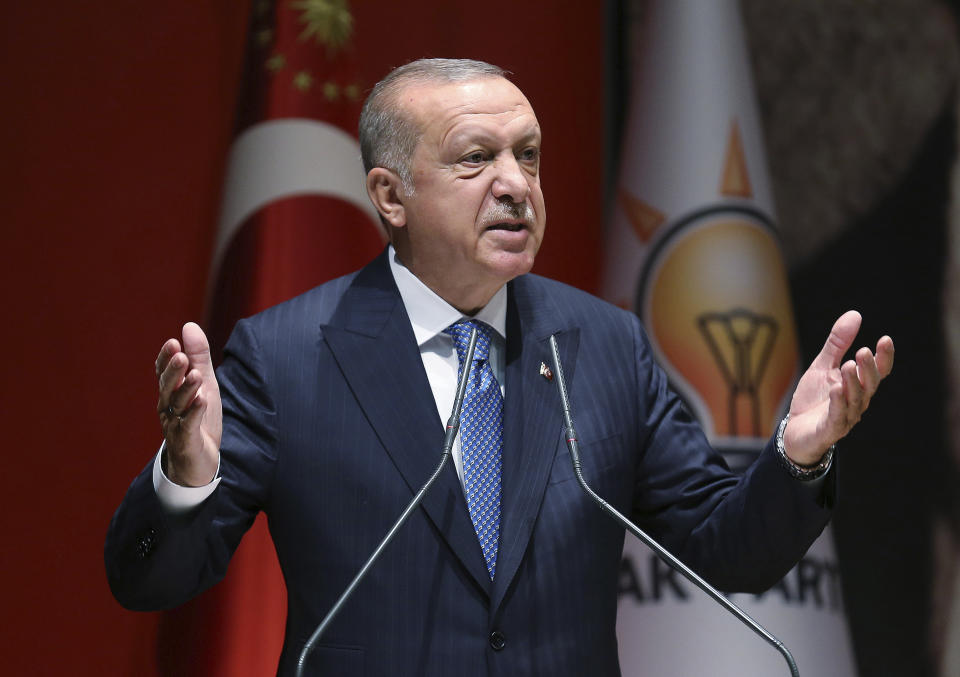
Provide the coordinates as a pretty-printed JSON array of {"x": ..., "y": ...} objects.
[
  {"x": 189, "y": 408},
  {"x": 831, "y": 395}
]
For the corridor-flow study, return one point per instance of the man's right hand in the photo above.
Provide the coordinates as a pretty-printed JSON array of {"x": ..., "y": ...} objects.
[{"x": 189, "y": 408}]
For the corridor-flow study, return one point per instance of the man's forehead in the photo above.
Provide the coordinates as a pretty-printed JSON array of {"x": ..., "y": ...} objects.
[{"x": 426, "y": 100}]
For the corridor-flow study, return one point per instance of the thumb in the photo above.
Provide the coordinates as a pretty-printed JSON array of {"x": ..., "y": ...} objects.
[
  {"x": 197, "y": 348},
  {"x": 839, "y": 341}
]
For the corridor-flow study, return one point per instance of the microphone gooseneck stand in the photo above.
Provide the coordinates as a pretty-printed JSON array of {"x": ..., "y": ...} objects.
[
  {"x": 663, "y": 553},
  {"x": 453, "y": 427}
]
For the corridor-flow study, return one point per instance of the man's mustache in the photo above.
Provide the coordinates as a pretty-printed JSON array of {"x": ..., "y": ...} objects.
[{"x": 506, "y": 210}]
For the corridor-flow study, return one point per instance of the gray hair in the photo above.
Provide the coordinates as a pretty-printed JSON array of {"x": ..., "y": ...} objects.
[{"x": 388, "y": 135}]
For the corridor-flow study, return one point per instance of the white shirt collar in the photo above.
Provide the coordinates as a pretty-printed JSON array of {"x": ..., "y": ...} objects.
[{"x": 430, "y": 315}]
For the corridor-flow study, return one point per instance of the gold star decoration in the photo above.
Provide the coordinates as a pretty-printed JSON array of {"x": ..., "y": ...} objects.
[
  {"x": 352, "y": 92},
  {"x": 276, "y": 63},
  {"x": 303, "y": 81},
  {"x": 331, "y": 90},
  {"x": 263, "y": 37},
  {"x": 329, "y": 22}
]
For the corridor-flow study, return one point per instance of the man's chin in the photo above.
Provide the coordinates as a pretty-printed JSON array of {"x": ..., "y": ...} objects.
[{"x": 507, "y": 265}]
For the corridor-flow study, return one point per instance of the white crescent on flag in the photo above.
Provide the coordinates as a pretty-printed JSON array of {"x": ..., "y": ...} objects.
[{"x": 283, "y": 158}]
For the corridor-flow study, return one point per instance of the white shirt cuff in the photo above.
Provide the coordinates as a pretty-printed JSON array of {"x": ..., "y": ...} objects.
[{"x": 175, "y": 498}]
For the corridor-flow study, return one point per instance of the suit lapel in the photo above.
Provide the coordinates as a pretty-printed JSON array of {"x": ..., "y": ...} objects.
[
  {"x": 532, "y": 422},
  {"x": 372, "y": 340}
]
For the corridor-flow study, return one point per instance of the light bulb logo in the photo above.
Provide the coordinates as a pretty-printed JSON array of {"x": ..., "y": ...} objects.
[{"x": 715, "y": 300}]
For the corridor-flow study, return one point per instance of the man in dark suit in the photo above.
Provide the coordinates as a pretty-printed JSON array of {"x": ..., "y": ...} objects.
[{"x": 332, "y": 409}]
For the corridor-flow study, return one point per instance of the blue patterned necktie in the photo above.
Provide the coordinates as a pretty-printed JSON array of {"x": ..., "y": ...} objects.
[{"x": 481, "y": 437}]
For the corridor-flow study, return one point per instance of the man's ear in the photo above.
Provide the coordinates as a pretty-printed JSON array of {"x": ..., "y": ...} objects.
[{"x": 386, "y": 190}]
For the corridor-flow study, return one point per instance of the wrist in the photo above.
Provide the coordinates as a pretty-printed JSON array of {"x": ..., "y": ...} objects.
[
  {"x": 799, "y": 471},
  {"x": 187, "y": 472}
]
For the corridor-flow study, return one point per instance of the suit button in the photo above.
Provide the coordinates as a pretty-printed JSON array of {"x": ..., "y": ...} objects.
[
  {"x": 146, "y": 543},
  {"x": 497, "y": 640}
]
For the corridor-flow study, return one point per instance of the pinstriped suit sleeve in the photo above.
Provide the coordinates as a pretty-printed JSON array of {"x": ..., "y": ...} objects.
[
  {"x": 157, "y": 560},
  {"x": 741, "y": 533}
]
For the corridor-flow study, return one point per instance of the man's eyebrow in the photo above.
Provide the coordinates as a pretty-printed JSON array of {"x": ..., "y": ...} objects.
[
  {"x": 532, "y": 135},
  {"x": 486, "y": 138}
]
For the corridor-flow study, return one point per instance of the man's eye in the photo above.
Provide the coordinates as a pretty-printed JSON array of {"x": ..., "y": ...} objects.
[
  {"x": 530, "y": 154},
  {"x": 474, "y": 158}
]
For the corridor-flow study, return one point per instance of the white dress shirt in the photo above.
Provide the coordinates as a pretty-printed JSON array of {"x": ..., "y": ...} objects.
[{"x": 429, "y": 316}]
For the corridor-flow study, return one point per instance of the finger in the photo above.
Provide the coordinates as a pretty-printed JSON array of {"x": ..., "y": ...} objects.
[
  {"x": 192, "y": 416},
  {"x": 853, "y": 393},
  {"x": 868, "y": 372},
  {"x": 169, "y": 349},
  {"x": 179, "y": 428},
  {"x": 885, "y": 356},
  {"x": 837, "y": 414},
  {"x": 182, "y": 398},
  {"x": 839, "y": 341},
  {"x": 171, "y": 378}
]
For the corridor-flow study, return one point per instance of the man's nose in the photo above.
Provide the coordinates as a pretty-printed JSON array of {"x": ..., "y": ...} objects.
[{"x": 511, "y": 182}]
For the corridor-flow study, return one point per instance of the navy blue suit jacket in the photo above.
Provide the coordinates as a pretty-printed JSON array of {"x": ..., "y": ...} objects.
[{"x": 330, "y": 427}]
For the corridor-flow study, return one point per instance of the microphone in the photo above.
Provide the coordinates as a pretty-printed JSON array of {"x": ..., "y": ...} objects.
[
  {"x": 574, "y": 448},
  {"x": 453, "y": 427}
]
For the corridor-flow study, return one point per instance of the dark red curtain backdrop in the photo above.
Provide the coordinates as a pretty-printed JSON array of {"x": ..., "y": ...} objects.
[{"x": 115, "y": 122}]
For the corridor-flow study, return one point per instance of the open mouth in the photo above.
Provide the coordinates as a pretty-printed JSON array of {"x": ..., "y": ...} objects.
[{"x": 512, "y": 227}]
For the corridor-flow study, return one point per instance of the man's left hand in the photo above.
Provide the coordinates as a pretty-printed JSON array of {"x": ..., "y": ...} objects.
[{"x": 831, "y": 396}]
